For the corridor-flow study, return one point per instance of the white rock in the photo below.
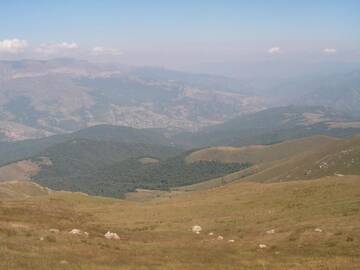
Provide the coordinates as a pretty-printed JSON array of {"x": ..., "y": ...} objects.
[
  {"x": 111, "y": 236},
  {"x": 220, "y": 237},
  {"x": 231, "y": 241},
  {"x": 75, "y": 231},
  {"x": 318, "y": 230},
  {"x": 196, "y": 229},
  {"x": 262, "y": 246},
  {"x": 211, "y": 233},
  {"x": 272, "y": 231},
  {"x": 41, "y": 238}
]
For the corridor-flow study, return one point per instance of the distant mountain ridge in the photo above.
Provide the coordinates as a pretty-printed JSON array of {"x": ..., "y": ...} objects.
[
  {"x": 41, "y": 98},
  {"x": 341, "y": 92},
  {"x": 273, "y": 125},
  {"x": 264, "y": 127}
]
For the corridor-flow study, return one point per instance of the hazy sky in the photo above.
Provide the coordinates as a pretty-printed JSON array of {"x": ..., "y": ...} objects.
[{"x": 179, "y": 32}]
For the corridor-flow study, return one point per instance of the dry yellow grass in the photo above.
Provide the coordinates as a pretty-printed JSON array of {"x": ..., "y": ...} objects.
[
  {"x": 308, "y": 158},
  {"x": 263, "y": 153},
  {"x": 20, "y": 190},
  {"x": 157, "y": 234}
]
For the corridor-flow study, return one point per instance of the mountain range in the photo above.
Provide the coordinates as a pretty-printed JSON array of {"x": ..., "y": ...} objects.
[
  {"x": 113, "y": 160},
  {"x": 268, "y": 187},
  {"x": 42, "y": 98}
]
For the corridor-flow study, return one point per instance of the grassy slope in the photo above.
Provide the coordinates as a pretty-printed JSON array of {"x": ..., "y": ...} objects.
[
  {"x": 157, "y": 235},
  {"x": 20, "y": 190},
  {"x": 261, "y": 153},
  {"x": 308, "y": 158},
  {"x": 341, "y": 157}
]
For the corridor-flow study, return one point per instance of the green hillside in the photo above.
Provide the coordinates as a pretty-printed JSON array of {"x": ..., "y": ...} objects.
[
  {"x": 126, "y": 176},
  {"x": 75, "y": 164},
  {"x": 12, "y": 151},
  {"x": 264, "y": 127},
  {"x": 112, "y": 169}
]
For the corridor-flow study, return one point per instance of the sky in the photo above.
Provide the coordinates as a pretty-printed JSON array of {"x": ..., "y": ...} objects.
[{"x": 177, "y": 33}]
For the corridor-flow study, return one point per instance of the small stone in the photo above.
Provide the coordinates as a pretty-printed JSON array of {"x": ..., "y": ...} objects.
[
  {"x": 111, "y": 236},
  {"x": 75, "y": 231},
  {"x": 196, "y": 229}
]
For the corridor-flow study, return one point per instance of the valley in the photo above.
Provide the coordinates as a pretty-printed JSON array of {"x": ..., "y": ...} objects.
[
  {"x": 43, "y": 98},
  {"x": 63, "y": 95},
  {"x": 179, "y": 135},
  {"x": 285, "y": 202}
]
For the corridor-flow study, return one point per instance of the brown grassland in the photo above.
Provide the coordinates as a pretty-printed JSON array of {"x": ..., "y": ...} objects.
[{"x": 156, "y": 234}]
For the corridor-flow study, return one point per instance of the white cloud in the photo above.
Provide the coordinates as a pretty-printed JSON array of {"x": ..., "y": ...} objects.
[
  {"x": 105, "y": 51},
  {"x": 54, "y": 48},
  {"x": 329, "y": 50},
  {"x": 12, "y": 45},
  {"x": 65, "y": 45},
  {"x": 274, "y": 50}
]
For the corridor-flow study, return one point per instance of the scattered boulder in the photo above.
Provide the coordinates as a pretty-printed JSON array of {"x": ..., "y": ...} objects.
[
  {"x": 231, "y": 241},
  {"x": 75, "y": 231},
  {"x": 196, "y": 229},
  {"x": 318, "y": 230},
  {"x": 220, "y": 237},
  {"x": 262, "y": 246},
  {"x": 86, "y": 234},
  {"x": 272, "y": 231},
  {"x": 211, "y": 233},
  {"x": 112, "y": 236},
  {"x": 42, "y": 238},
  {"x": 64, "y": 262},
  {"x": 324, "y": 165}
]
